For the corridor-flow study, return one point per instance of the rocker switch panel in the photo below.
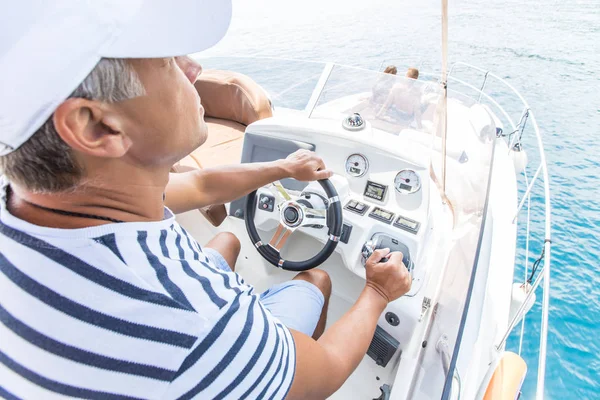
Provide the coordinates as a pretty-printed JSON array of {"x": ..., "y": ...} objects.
[
  {"x": 266, "y": 202},
  {"x": 356, "y": 207}
]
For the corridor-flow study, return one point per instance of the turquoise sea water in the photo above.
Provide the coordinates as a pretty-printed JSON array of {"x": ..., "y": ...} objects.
[{"x": 548, "y": 50}]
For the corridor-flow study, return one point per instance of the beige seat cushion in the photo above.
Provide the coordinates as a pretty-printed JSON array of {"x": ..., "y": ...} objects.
[
  {"x": 222, "y": 147},
  {"x": 232, "y": 96}
]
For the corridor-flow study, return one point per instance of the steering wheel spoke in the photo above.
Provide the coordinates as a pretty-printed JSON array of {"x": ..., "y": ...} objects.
[
  {"x": 286, "y": 196},
  {"x": 314, "y": 216},
  {"x": 281, "y": 236}
]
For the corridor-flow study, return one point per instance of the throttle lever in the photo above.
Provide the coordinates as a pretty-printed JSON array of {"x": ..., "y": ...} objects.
[
  {"x": 380, "y": 241},
  {"x": 368, "y": 249}
]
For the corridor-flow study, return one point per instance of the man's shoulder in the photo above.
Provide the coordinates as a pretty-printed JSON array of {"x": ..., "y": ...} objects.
[
  {"x": 80, "y": 310},
  {"x": 87, "y": 277}
]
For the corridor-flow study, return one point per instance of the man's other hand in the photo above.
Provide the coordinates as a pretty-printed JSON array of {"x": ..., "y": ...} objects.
[
  {"x": 304, "y": 165},
  {"x": 323, "y": 366},
  {"x": 390, "y": 279}
]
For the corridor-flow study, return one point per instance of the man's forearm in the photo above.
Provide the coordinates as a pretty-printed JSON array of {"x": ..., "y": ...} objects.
[
  {"x": 348, "y": 339},
  {"x": 192, "y": 190},
  {"x": 323, "y": 366},
  {"x": 232, "y": 182}
]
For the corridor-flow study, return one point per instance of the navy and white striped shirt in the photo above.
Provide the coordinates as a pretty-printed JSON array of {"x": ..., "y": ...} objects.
[{"x": 133, "y": 310}]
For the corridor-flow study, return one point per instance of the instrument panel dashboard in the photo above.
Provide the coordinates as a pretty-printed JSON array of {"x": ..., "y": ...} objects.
[{"x": 384, "y": 186}]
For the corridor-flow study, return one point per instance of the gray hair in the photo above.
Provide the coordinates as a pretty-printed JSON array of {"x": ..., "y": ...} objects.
[{"x": 45, "y": 163}]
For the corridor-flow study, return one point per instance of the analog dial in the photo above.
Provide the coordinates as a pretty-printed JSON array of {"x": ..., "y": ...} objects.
[
  {"x": 407, "y": 181},
  {"x": 356, "y": 165}
]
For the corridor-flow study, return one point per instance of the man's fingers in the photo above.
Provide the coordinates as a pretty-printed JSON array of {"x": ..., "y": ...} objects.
[
  {"x": 378, "y": 255},
  {"x": 320, "y": 163},
  {"x": 395, "y": 257},
  {"x": 324, "y": 174}
]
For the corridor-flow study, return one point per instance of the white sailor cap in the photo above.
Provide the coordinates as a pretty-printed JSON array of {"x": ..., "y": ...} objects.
[{"x": 47, "y": 48}]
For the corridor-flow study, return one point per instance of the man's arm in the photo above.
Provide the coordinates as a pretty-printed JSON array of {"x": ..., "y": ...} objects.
[
  {"x": 323, "y": 366},
  {"x": 195, "y": 189},
  {"x": 386, "y": 105},
  {"x": 391, "y": 98},
  {"x": 418, "y": 116}
]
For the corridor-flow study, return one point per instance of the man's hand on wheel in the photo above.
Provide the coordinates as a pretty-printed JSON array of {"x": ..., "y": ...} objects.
[
  {"x": 390, "y": 279},
  {"x": 304, "y": 165}
]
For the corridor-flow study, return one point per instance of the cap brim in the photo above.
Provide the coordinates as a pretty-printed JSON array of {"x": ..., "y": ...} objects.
[{"x": 172, "y": 28}]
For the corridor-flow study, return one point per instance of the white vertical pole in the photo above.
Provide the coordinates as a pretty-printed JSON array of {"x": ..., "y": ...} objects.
[{"x": 444, "y": 82}]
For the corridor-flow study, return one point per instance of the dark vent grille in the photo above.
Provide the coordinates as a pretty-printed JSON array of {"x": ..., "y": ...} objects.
[{"x": 382, "y": 347}]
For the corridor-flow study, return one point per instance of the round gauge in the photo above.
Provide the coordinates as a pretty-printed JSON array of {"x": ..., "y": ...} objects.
[
  {"x": 407, "y": 181},
  {"x": 356, "y": 165}
]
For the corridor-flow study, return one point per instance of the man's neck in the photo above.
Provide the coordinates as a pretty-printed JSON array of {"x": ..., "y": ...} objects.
[{"x": 129, "y": 198}]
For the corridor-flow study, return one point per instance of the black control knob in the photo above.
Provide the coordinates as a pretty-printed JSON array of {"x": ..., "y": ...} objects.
[{"x": 392, "y": 318}]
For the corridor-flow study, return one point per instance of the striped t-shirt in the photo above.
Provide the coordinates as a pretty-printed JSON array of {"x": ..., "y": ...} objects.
[{"x": 130, "y": 310}]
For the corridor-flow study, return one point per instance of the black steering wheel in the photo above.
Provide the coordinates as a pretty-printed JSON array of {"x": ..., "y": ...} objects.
[{"x": 294, "y": 214}]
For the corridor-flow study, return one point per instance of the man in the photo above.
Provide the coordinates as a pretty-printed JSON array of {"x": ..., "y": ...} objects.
[
  {"x": 412, "y": 73},
  {"x": 404, "y": 100},
  {"x": 102, "y": 293}
]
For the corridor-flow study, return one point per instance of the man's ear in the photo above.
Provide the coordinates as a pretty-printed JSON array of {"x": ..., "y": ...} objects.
[{"x": 91, "y": 128}]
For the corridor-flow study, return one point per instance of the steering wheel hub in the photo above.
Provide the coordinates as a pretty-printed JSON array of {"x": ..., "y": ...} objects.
[{"x": 292, "y": 215}]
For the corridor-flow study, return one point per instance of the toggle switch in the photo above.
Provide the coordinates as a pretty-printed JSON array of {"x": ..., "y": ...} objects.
[{"x": 266, "y": 202}]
